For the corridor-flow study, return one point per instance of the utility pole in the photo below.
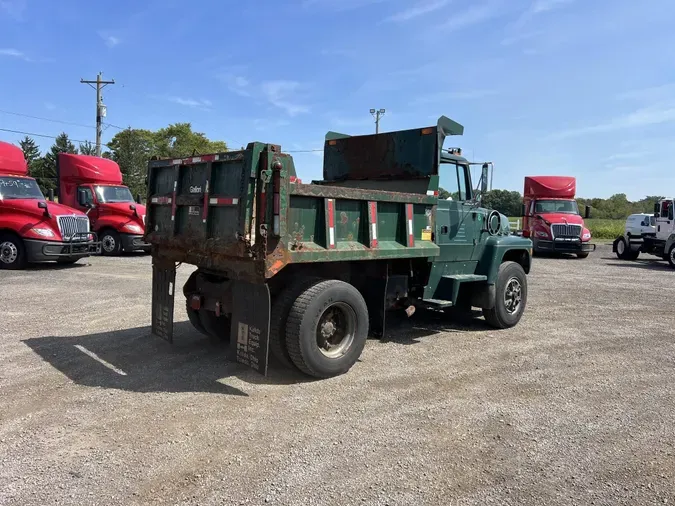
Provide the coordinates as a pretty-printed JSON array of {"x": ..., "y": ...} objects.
[
  {"x": 377, "y": 114},
  {"x": 100, "y": 108}
]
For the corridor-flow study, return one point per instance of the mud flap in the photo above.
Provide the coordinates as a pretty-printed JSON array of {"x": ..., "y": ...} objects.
[
  {"x": 375, "y": 297},
  {"x": 163, "y": 289},
  {"x": 249, "y": 342}
]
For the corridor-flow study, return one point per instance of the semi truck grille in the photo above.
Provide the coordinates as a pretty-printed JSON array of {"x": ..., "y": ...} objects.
[
  {"x": 70, "y": 225},
  {"x": 565, "y": 230}
]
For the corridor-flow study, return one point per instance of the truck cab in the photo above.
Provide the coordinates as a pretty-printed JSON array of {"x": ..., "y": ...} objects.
[
  {"x": 31, "y": 228},
  {"x": 551, "y": 216},
  {"x": 94, "y": 185}
]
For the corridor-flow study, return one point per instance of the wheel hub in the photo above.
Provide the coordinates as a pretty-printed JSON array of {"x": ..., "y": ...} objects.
[
  {"x": 108, "y": 243},
  {"x": 8, "y": 252},
  {"x": 513, "y": 295},
  {"x": 336, "y": 329}
]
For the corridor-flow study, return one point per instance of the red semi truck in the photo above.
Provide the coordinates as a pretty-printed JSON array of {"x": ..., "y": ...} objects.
[
  {"x": 551, "y": 216},
  {"x": 31, "y": 228},
  {"x": 95, "y": 185}
]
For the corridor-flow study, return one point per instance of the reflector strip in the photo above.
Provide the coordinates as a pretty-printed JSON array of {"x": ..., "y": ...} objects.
[
  {"x": 409, "y": 215},
  {"x": 205, "y": 205},
  {"x": 432, "y": 193},
  {"x": 330, "y": 203},
  {"x": 223, "y": 201},
  {"x": 160, "y": 200},
  {"x": 173, "y": 201},
  {"x": 372, "y": 207}
]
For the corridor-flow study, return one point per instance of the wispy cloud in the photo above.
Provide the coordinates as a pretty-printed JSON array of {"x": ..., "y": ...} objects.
[
  {"x": 109, "y": 39},
  {"x": 649, "y": 94},
  {"x": 538, "y": 7},
  {"x": 13, "y": 8},
  {"x": 521, "y": 36},
  {"x": 652, "y": 115},
  {"x": 202, "y": 104},
  {"x": 474, "y": 15},
  {"x": 49, "y": 106},
  {"x": 415, "y": 12},
  {"x": 282, "y": 94},
  {"x": 235, "y": 81},
  {"x": 14, "y": 53}
]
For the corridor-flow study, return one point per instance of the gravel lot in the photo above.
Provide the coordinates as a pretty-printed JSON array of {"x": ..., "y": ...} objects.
[{"x": 573, "y": 406}]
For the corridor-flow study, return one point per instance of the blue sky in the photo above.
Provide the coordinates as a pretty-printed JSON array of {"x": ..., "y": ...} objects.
[{"x": 573, "y": 87}]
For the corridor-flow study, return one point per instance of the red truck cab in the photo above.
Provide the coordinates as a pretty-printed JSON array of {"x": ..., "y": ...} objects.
[
  {"x": 94, "y": 185},
  {"x": 31, "y": 228},
  {"x": 551, "y": 216}
]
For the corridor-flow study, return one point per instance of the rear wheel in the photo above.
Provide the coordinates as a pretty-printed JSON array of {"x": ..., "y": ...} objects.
[
  {"x": 327, "y": 328},
  {"x": 195, "y": 320},
  {"x": 216, "y": 327},
  {"x": 111, "y": 244},
  {"x": 12, "y": 252},
  {"x": 621, "y": 248},
  {"x": 279, "y": 316},
  {"x": 510, "y": 297}
]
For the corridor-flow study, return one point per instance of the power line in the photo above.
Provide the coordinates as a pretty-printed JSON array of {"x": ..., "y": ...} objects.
[
  {"x": 46, "y": 119},
  {"x": 43, "y": 135}
]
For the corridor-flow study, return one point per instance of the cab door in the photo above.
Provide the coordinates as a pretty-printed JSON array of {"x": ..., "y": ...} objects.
[{"x": 664, "y": 221}]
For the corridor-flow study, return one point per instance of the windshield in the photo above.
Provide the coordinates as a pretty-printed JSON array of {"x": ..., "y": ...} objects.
[
  {"x": 455, "y": 179},
  {"x": 556, "y": 206},
  {"x": 19, "y": 188},
  {"x": 112, "y": 194}
]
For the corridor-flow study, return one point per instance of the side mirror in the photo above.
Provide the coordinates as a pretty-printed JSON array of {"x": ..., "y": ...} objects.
[
  {"x": 133, "y": 208},
  {"x": 587, "y": 212},
  {"x": 657, "y": 209},
  {"x": 43, "y": 205},
  {"x": 82, "y": 198},
  {"x": 484, "y": 179},
  {"x": 524, "y": 213},
  {"x": 138, "y": 198},
  {"x": 670, "y": 212}
]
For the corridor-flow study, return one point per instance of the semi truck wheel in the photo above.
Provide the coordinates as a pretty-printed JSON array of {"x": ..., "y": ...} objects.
[
  {"x": 621, "y": 248},
  {"x": 511, "y": 297},
  {"x": 193, "y": 316},
  {"x": 279, "y": 317},
  {"x": 111, "y": 244},
  {"x": 217, "y": 327},
  {"x": 327, "y": 328},
  {"x": 12, "y": 252},
  {"x": 582, "y": 255},
  {"x": 671, "y": 256}
]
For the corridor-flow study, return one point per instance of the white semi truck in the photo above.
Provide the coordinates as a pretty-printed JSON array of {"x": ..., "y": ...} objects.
[{"x": 649, "y": 234}]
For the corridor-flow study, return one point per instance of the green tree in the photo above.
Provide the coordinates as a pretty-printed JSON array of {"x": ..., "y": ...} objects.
[
  {"x": 62, "y": 144},
  {"x": 87, "y": 148},
  {"x": 179, "y": 140},
  {"x": 509, "y": 203},
  {"x": 131, "y": 149},
  {"x": 31, "y": 152}
]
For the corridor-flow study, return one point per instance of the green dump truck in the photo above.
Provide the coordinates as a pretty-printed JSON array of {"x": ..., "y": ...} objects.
[{"x": 308, "y": 271}]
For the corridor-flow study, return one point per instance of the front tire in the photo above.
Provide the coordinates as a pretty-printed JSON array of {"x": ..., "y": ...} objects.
[
  {"x": 510, "y": 297},
  {"x": 111, "y": 243},
  {"x": 12, "y": 252},
  {"x": 671, "y": 256},
  {"x": 621, "y": 248},
  {"x": 582, "y": 255},
  {"x": 327, "y": 329}
]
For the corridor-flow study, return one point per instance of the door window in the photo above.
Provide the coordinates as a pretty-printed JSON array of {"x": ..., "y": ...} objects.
[{"x": 456, "y": 180}]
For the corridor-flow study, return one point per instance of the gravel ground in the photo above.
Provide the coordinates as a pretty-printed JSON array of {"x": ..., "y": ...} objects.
[{"x": 573, "y": 406}]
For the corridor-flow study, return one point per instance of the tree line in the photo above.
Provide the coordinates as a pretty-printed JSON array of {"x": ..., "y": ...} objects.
[{"x": 130, "y": 148}]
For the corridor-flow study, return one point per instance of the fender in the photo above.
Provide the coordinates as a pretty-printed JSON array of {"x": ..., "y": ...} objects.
[
  {"x": 22, "y": 223},
  {"x": 497, "y": 248}
]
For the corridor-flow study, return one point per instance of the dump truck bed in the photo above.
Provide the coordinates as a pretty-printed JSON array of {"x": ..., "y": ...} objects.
[{"x": 246, "y": 214}]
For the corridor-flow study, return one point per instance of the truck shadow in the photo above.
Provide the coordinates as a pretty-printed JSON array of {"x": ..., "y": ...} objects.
[
  {"x": 53, "y": 266},
  {"x": 652, "y": 265},
  {"x": 424, "y": 323},
  {"x": 134, "y": 360}
]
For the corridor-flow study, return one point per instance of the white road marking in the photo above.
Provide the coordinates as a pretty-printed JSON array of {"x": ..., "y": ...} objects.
[{"x": 99, "y": 359}]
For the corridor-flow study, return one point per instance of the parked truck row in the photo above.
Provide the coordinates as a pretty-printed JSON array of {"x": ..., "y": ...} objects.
[{"x": 95, "y": 213}]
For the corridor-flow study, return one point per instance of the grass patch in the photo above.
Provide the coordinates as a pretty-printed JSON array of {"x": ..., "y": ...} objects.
[{"x": 600, "y": 229}]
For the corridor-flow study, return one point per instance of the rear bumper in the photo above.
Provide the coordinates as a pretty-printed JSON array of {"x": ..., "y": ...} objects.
[
  {"x": 44, "y": 251},
  {"x": 133, "y": 242},
  {"x": 562, "y": 246}
]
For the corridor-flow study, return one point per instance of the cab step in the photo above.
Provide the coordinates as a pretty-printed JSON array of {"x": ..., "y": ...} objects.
[
  {"x": 465, "y": 278},
  {"x": 440, "y": 304}
]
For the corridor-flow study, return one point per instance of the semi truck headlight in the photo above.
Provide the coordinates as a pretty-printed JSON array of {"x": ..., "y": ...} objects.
[
  {"x": 43, "y": 232},
  {"x": 541, "y": 233},
  {"x": 586, "y": 236},
  {"x": 135, "y": 229}
]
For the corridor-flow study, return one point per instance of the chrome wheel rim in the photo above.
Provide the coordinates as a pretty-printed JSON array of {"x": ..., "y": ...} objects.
[
  {"x": 513, "y": 295},
  {"x": 672, "y": 256},
  {"x": 8, "y": 252},
  {"x": 335, "y": 330},
  {"x": 108, "y": 243}
]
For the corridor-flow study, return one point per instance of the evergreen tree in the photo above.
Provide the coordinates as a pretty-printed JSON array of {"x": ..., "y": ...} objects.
[
  {"x": 31, "y": 152},
  {"x": 62, "y": 144},
  {"x": 87, "y": 148}
]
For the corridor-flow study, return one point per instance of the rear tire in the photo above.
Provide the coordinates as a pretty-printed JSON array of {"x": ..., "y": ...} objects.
[
  {"x": 195, "y": 320},
  {"x": 327, "y": 328},
  {"x": 279, "y": 316},
  {"x": 12, "y": 252},
  {"x": 510, "y": 297},
  {"x": 621, "y": 248},
  {"x": 111, "y": 243},
  {"x": 216, "y": 327}
]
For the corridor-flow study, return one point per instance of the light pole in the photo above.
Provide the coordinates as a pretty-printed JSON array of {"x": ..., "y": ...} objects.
[{"x": 377, "y": 114}]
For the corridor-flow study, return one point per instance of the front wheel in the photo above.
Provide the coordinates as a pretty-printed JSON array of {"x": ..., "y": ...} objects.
[
  {"x": 510, "y": 297},
  {"x": 12, "y": 252},
  {"x": 327, "y": 328},
  {"x": 582, "y": 255},
  {"x": 671, "y": 256},
  {"x": 621, "y": 248},
  {"x": 111, "y": 244}
]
